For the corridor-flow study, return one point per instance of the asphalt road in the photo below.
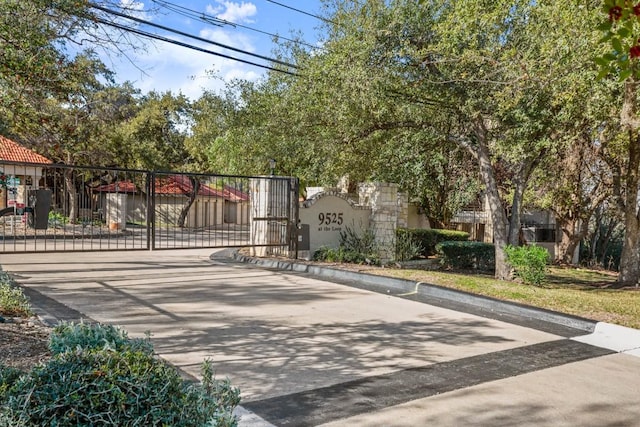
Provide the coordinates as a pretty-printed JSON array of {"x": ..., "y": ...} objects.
[{"x": 307, "y": 351}]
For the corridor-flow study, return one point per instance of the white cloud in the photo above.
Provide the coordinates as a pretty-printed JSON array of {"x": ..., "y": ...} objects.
[
  {"x": 232, "y": 11},
  {"x": 221, "y": 36},
  {"x": 173, "y": 68},
  {"x": 166, "y": 67},
  {"x": 238, "y": 73},
  {"x": 134, "y": 8},
  {"x": 131, "y": 4}
]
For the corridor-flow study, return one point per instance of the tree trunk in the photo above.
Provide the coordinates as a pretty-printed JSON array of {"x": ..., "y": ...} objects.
[
  {"x": 606, "y": 241},
  {"x": 595, "y": 237},
  {"x": 498, "y": 216},
  {"x": 72, "y": 195},
  {"x": 195, "y": 189},
  {"x": 629, "y": 268},
  {"x": 516, "y": 209},
  {"x": 572, "y": 230}
]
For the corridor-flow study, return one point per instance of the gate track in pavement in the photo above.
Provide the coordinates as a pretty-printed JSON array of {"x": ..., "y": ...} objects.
[{"x": 372, "y": 393}]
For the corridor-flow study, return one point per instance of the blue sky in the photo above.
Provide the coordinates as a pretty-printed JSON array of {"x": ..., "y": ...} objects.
[{"x": 165, "y": 67}]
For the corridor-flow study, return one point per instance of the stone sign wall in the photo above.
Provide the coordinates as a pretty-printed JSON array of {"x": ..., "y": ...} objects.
[{"x": 327, "y": 214}]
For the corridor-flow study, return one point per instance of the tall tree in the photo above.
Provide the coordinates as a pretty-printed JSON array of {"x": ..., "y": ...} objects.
[
  {"x": 486, "y": 66},
  {"x": 621, "y": 58},
  {"x": 69, "y": 125},
  {"x": 39, "y": 40},
  {"x": 574, "y": 181},
  {"x": 154, "y": 137},
  {"x": 333, "y": 121}
]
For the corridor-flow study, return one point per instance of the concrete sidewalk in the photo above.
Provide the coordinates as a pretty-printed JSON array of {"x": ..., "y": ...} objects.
[{"x": 306, "y": 351}]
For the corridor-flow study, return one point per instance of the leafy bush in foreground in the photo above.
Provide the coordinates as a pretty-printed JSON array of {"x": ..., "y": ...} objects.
[
  {"x": 8, "y": 376},
  {"x": 86, "y": 336},
  {"x": 95, "y": 385}
]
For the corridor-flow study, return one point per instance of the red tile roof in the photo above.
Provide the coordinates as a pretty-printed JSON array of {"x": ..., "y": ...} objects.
[
  {"x": 234, "y": 195},
  {"x": 13, "y": 152},
  {"x": 180, "y": 184}
]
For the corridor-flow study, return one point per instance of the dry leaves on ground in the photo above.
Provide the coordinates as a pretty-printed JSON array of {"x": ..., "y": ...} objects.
[{"x": 23, "y": 343}]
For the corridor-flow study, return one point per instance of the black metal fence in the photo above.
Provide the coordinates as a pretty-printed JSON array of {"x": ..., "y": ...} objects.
[{"x": 76, "y": 208}]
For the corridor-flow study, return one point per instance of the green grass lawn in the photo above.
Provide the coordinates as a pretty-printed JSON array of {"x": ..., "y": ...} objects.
[{"x": 574, "y": 291}]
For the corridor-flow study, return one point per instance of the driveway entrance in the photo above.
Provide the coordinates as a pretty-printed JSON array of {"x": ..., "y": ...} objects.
[{"x": 308, "y": 352}]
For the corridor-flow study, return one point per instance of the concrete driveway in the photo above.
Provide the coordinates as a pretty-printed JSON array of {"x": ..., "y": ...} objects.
[{"x": 307, "y": 352}]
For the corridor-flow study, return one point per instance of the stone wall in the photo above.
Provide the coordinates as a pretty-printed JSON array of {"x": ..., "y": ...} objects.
[
  {"x": 382, "y": 198},
  {"x": 381, "y": 208},
  {"x": 403, "y": 210}
]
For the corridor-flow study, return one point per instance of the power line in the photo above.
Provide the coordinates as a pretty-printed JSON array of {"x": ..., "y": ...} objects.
[
  {"x": 190, "y": 13},
  {"x": 186, "y": 45},
  {"x": 162, "y": 27},
  {"x": 206, "y": 18},
  {"x": 303, "y": 12}
]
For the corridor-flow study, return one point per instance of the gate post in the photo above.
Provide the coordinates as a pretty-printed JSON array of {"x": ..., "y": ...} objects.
[
  {"x": 151, "y": 210},
  {"x": 270, "y": 216},
  {"x": 294, "y": 218}
]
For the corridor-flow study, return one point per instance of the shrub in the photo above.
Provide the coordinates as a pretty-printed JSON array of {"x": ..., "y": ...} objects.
[
  {"x": 428, "y": 238},
  {"x": 354, "y": 248},
  {"x": 85, "y": 337},
  {"x": 57, "y": 220},
  {"x": 93, "y": 384},
  {"x": 13, "y": 301},
  {"x": 8, "y": 376},
  {"x": 407, "y": 248},
  {"x": 464, "y": 255},
  {"x": 529, "y": 263},
  {"x": 364, "y": 244},
  {"x": 340, "y": 255}
]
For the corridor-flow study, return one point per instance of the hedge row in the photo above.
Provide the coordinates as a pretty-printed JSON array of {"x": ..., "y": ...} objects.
[
  {"x": 428, "y": 238},
  {"x": 467, "y": 255}
]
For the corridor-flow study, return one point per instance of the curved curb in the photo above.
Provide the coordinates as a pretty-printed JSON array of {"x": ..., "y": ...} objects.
[{"x": 429, "y": 292}]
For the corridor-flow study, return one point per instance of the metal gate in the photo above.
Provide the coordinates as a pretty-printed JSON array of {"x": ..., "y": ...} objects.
[{"x": 46, "y": 208}]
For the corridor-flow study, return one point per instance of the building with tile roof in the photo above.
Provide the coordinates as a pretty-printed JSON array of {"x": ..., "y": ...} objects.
[
  {"x": 11, "y": 151},
  {"x": 22, "y": 168}
]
